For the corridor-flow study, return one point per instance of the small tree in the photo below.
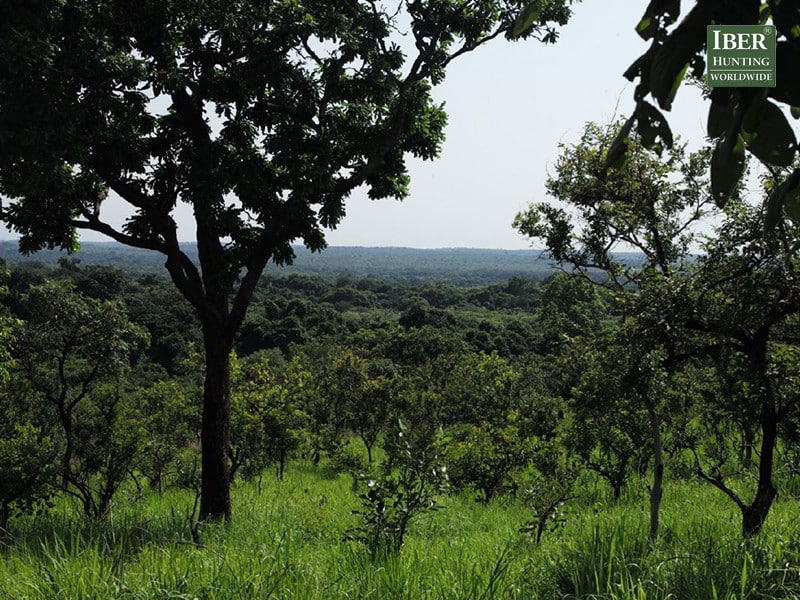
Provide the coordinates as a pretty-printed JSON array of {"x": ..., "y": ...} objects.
[
  {"x": 170, "y": 417},
  {"x": 547, "y": 487},
  {"x": 744, "y": 290},
  {"x": 27, "y": 450},
  {"x": 609, "y": 429},
  {"x": 70, "y": 346},
  {"x": 28, "y": 457},
  {"x": 268, "y": 419},
  {"x": 650, "y": 204},
  {"x": 407, "y": 485},
  {"x": 486, "y": 456},
  {"x": 109, "y": 436}
]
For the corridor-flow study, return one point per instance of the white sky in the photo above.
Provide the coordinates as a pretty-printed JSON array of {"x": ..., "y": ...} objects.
[{"x": 509, "y": 104}]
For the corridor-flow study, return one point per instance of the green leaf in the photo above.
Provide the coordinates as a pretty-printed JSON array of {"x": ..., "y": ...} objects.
[
  {"x": 666, "y": 75},
  {"x": 764, "y": 13},
  {"x": 668, "y": 9},
  {"x": 647, "y": 27},
  {"x": 791, "y": 204},
  {"x": 673, "y": 57},
  {"x": 786, "y": 17},
  {"x": 653, "y": 126},
  {"x": 618, "y": 152},
  {"x": 727, "y": 166},
  {"x": 785, "y": 198},
  {"x": 772, "y": 140},
  {"x": 720, "y": 117},
  {"x": 752, "y": 114},
  {"x": 795, "y": 110},
  {"x": 787, "y": 65},
  {"x": 526, "y": 18}
]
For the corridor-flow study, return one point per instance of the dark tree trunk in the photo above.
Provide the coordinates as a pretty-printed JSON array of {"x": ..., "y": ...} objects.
[
  {"x": 754, "y": 514},
  {"x": 281, "y": 463},
  {"x": 210, "y": 294},
  {"x": 748, "y": 440},
  {"x": 617, "y": 489},
  {"x": 368, "y": 446},
  {"x": 69, "y": 449},
  {"x": 215, "y": 501}
]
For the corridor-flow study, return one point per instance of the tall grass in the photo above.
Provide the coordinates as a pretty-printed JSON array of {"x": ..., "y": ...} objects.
[{"x": 286, "y": 542}]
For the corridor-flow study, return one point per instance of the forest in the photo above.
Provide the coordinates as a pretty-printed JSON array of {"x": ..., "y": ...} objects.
[
  {"x": 613, "y": 415},
  {"x": 624, "y": 427}
]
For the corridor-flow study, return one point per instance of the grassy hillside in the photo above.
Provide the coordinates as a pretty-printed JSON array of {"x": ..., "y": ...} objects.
[{"x": 288, "y": 542}]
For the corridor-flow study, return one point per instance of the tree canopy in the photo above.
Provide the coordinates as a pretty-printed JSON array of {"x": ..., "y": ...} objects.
[{"x": 262, "y": 117}]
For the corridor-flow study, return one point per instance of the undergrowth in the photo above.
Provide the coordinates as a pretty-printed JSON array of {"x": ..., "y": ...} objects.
[{"x": 288, "y": 542}]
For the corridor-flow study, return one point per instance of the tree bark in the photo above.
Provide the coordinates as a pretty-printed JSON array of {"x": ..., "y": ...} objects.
[
  {"x": 215, "y": 501},
  {"x": 754, "y": 514}
]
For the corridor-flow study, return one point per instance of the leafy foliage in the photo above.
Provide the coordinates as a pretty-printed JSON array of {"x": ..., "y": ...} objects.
[
  {"x": 738, "y": 118},
  {"x": 407, "y": 485}
]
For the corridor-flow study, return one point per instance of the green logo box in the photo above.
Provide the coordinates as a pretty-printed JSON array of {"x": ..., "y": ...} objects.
[{"x": 741, "y": 56}]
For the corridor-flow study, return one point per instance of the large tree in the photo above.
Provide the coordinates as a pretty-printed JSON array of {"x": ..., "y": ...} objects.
[
  {"x": 261, "y": 116},
  {"x": 743, "y": 291}
]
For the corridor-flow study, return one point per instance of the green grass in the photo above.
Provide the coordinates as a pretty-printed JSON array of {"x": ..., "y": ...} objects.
[{"x": 287, "y": 543}]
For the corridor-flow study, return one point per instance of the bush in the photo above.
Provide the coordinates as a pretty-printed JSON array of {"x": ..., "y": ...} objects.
[{"x": 406, "y": 486}]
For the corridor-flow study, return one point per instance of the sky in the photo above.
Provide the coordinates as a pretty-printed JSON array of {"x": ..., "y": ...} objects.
[{"x": 510, "y": 105}]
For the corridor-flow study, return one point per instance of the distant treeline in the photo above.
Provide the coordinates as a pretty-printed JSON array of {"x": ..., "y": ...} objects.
[{"x": 459, "y": 266}]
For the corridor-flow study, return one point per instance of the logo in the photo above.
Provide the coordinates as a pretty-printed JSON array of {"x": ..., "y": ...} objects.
[{"x": 741, "y": 56}]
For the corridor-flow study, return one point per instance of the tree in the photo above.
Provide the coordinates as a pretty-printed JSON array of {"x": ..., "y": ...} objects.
[
  {"x": 172, "y": 421},
  {"x": 262, "y": 117},
  {"x": 108, "y": 438},
  {"x": 27, "y": 449},
  {"x": 8, "y": 328},
  {"x": 267, "y": 411},
  {"x": 71, "y": 346},
  {"x": 571, "y": 308},
  {"x": 496, "y": 423},
  {"x": 609, "y": 430},
  {"x": 376, "y": 395},
  {"x": 745, "y": 288},
  {"x": 648, "y": 204},
  {"x": 738, "y": 118}
]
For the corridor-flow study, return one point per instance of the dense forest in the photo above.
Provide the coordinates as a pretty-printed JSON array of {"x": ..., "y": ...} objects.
[{"x": 459, "y": 266}]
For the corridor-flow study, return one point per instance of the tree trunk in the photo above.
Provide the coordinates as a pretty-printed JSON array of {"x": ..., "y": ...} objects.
[
  {"x": 281, "y": 463},
  {"x": 368, "y": 446},
  {"x": 748, "y": 440},
  {"x": 215, "y": 500},
  {"x": 754, "y": 514},
  {"x": 658, "y": 473}
]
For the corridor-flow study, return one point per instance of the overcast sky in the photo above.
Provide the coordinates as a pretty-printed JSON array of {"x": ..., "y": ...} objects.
[{"x": 509, "y": 106}]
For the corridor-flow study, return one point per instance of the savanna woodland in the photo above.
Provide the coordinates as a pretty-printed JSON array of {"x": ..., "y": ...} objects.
[{"x": 624, "y": 426}]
